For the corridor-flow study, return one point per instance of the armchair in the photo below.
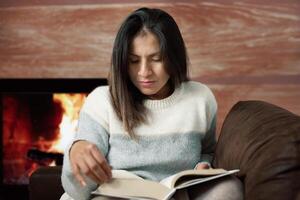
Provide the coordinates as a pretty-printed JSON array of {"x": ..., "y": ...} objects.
[{"x": 261, "y": 139}]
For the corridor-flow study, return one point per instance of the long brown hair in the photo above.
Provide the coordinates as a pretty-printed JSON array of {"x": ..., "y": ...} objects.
[{"x": 126, "y": 99}]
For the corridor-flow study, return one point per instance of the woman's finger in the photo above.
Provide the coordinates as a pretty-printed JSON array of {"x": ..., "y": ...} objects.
[
  {"x": 78, "y": 176},
  {"x": 95, "y": 169},
  {"x": 85, "y": 169},
  {"x": 97, "y": 155}
]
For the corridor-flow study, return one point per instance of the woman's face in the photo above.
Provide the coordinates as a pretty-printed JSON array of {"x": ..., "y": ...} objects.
[{"x": 146, "y": 67}]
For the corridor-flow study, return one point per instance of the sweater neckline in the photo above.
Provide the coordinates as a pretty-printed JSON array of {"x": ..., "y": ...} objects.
[{"x": 163, "y": 103}]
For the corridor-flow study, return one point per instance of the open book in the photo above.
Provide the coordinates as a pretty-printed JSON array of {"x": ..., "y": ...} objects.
[{"x": 127, "y": 185}]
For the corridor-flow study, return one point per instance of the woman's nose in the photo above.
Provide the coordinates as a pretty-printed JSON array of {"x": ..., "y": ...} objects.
[{"x": 144, "y": 69}]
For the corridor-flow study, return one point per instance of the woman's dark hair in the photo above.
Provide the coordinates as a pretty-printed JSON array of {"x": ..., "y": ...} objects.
[{"x": 127, "y": 100}]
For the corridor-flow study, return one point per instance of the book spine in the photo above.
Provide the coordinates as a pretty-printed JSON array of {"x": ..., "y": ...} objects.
[{"x": 169, "y": 196}]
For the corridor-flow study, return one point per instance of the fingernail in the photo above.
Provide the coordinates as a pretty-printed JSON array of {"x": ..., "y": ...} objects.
[{"x": 83, "y": 184}]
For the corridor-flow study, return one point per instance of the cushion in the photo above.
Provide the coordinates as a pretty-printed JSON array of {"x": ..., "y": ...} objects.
[{"x": 263, "y": 141}]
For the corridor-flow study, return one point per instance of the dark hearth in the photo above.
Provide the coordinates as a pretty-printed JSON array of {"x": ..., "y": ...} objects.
[
  {"x": 30, "y": 124},
  {"x": 44, "y": 158}
]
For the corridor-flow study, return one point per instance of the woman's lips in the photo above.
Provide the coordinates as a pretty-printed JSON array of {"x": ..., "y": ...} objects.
[{"x": 146, "y": 83}]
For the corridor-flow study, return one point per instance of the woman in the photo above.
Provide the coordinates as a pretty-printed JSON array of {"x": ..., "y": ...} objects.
[{"x": 150, "y": 120}]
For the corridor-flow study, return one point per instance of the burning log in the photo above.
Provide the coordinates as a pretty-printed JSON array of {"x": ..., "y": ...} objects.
[{"x": 44, "y": 158}]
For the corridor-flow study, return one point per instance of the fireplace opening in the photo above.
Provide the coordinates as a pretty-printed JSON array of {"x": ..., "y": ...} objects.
[
  {"x": 38, "y": 120},
  {"x": 36, "y": 129}
]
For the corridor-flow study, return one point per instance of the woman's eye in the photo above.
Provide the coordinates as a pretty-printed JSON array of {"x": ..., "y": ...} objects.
[
  {"x": 133, "y": 61},
  {"x": 156, "y": 59}
]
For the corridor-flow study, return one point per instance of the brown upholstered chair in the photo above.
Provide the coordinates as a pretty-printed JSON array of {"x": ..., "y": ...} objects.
[
  {"x": 259, "y": 138},
  {"x": 263, "y": 141}
]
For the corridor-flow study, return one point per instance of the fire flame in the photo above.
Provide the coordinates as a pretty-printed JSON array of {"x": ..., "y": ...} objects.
[{"x": 71, "y": 104}]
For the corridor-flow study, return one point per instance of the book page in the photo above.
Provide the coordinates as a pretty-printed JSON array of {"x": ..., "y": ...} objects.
[
  {"x": 189, "y": 181},
  {"x": 128, "y": 185},
  {"x": 136, "y": 188},
  {"x": 188, "y": 175}
]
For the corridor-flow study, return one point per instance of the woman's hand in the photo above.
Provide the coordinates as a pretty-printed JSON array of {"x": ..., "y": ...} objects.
[
  {"x": 87, "y": 159},
  {"x": 202, "y": 166}
]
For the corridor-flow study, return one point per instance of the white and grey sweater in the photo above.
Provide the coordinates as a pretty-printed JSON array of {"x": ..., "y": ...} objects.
[{"x": 180, "y": 133}]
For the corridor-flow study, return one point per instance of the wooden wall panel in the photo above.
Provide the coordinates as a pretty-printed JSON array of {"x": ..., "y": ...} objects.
[
  {"x": 223, "y": 37},
  {"x": 286, "y": 96}
]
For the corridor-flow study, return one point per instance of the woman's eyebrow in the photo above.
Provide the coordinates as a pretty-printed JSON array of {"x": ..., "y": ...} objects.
[{"x": 151, "y": 55}]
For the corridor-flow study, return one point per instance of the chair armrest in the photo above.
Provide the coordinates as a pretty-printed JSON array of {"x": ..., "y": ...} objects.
[
  {"x": 45, "y": 183},
  {"x": 262, "y": 140}
]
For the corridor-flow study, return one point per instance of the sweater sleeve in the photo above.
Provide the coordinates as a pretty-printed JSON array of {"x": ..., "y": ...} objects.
[
  {"x": 90, "y": 130},
  {"x": 208, "y": 143}
]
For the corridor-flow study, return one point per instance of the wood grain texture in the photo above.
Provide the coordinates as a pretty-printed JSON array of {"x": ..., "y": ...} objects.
[
  {"x": 285, "y": 96},
  {"x": 223, "y": 38}
]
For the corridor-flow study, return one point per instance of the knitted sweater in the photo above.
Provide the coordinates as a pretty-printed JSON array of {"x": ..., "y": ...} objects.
[{"x": 179, "y": 133}]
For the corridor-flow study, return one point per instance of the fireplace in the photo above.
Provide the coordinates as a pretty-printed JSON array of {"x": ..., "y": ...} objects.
[{"x": 38, "y": 119}]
